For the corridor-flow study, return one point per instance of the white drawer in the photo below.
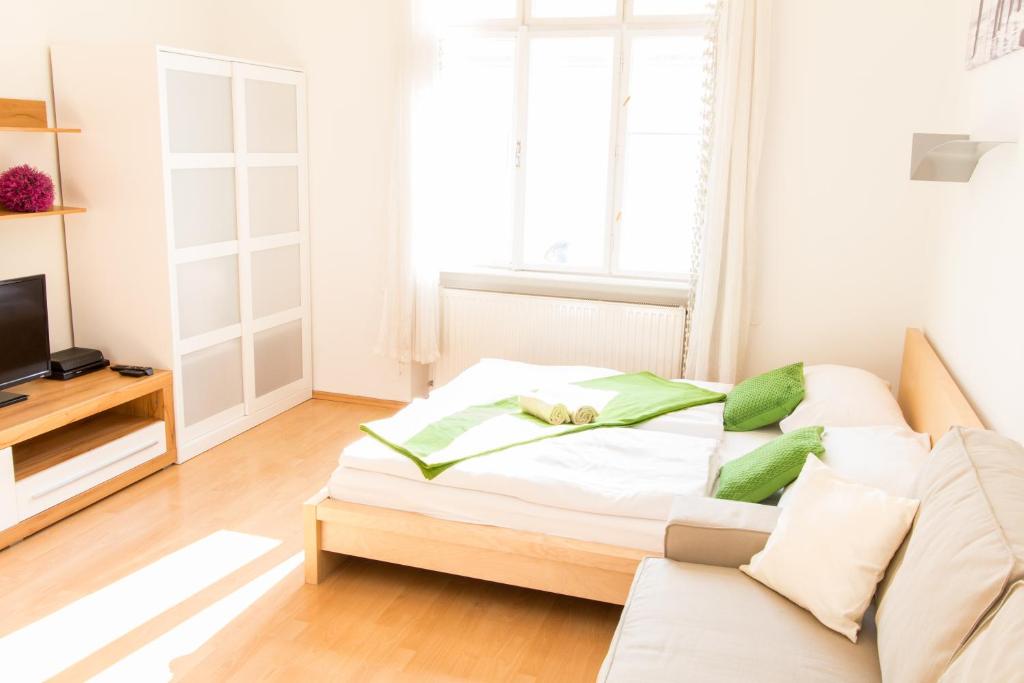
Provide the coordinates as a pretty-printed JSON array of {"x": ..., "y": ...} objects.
[
  {"x": 66, "y": 480},
  {"x": 8, "y": 499}
]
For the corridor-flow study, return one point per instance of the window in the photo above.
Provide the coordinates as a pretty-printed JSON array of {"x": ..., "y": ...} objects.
[{"x": 569, "y": 133}]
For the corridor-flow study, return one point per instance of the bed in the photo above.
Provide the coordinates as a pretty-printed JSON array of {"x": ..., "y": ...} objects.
[{"x": 524, "y": 537}]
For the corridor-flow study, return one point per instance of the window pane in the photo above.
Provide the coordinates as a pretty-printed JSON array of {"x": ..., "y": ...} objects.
[
  {"x": 662, "y": 154},
  {"x": 568, "y": 134},
  {"x": 574, "y": 8},
  {"x": 471, "y": 170},
  {"x": 646, "y": 8},
  {"x": 467, "y": 11}
]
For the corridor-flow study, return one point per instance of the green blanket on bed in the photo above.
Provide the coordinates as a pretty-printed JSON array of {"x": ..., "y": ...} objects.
[{"x": 437, "y": 442}]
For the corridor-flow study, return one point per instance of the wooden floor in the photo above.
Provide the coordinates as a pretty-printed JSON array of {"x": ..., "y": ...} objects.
[{"x": 99, "y": 589}]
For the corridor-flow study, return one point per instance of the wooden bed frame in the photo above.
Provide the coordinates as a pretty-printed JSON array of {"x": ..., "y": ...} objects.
[{"x": 929, "y": 396}]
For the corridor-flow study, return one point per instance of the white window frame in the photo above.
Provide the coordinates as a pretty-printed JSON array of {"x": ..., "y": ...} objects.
[{"x": 623, "y": 27}]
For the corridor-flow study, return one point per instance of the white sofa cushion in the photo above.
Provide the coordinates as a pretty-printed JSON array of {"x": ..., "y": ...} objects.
[
  {"x": 831, "y": 546},
  {"x": 965, "y": 550},
  {"x": 994, "y": 652},
  {"x": 704, "y": 623}
]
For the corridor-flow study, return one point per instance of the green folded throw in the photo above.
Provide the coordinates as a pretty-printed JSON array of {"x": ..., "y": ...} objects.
[
  {"x": 765, "y": 470},
  {"x": 434, "y": 445}
]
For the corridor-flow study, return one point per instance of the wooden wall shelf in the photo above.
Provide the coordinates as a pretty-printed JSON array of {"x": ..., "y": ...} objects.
[
  {"x": 26, "y": 129},
  {"x": 6, "y": 215},
  {"x": 27, "y": 116}
]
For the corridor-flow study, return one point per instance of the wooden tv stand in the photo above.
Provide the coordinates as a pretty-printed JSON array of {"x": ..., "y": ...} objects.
[{"x": 73, "y": 443}]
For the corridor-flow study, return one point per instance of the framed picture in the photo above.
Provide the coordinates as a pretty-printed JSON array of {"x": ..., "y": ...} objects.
[{"x": 997, "y": 29}]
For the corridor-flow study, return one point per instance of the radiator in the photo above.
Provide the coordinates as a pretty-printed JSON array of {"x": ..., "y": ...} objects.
[{"x": 554, "y": 331}]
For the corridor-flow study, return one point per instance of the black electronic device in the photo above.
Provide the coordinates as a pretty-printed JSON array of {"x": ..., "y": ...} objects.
[
  {"x": 75, "y": 362},
  {"x": 133, "y": 370},
  {"x": 24, "y": 334}
]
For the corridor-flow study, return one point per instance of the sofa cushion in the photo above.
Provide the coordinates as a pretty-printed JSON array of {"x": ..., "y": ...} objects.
[
  {"x": 703, "y": 623},
  {"x": 726, "y": 533},
  {"x": 965, "y": 549},
  {"x": 994, "y": 652}
]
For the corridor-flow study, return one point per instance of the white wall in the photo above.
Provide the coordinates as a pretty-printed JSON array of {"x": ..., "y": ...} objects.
[
  {"x": 974, "y": 314},
  {"x": 348, "y": 49},
  {"x": 842, "y": 232},
  {"x": 30, "y": 246}
]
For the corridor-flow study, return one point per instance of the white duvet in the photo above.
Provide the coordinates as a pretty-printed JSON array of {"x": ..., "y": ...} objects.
[{"x": 630, "y": 472}]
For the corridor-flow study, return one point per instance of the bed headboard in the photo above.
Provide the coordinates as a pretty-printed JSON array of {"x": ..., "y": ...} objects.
[{"x": 929, "y": 396}]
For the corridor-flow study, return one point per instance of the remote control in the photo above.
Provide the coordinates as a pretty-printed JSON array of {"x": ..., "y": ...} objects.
[{"x": 132, "y": 370}]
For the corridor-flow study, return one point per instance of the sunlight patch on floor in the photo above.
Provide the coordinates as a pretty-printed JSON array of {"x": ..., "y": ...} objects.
[
  {"x": 58, "y": 640},
  {"x": 152, "y": 662}
]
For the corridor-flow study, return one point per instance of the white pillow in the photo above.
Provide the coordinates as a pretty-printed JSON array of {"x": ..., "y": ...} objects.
[
  {"x": 887, "y": 458},
  {"x": 841, "y": 396},
  {"x": 831, "y": 546}
]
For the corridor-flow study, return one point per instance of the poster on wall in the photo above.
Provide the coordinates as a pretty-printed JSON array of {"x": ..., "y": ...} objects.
[{"x": 997, "y": 29}]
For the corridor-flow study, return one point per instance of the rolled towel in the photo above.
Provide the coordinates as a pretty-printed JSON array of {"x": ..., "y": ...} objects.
[
  {"x": 580, "y": 405},
  {"x": 584, "y": 415},
  {"x": 552, "y": 413}
]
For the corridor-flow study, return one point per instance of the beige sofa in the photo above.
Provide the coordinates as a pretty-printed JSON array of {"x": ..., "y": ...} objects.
[{"x": 951, "y": 607}]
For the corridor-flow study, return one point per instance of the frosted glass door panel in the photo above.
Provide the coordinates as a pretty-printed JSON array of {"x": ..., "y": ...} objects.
[
  {"x": 276, "y": 281},
  {"x": 207, "y": 295},
  {"x": 270, "y": 114},
  {"x": 199, "y": 117},
  {"x": 273, "y": 200},
  {"x": 278, "y": 357},
  {"x": 204, "y": 206},
  {"x": 211, "y": 380}
]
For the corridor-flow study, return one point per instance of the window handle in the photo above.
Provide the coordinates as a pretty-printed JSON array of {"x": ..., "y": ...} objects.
[{"x": 519, "y": 153}]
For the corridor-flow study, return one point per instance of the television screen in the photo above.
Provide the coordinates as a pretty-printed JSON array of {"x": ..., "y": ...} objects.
[{"x": 24, "y": 330}]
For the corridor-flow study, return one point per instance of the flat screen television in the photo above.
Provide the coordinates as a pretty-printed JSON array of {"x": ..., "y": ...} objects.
[{"x": 24, "y": 333}]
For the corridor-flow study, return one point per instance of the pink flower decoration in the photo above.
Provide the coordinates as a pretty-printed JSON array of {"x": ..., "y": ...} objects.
[{"x": 25, "y": 189}]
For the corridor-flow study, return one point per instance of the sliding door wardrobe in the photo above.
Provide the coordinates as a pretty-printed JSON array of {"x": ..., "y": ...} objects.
[{"x": 196, "y": 256}]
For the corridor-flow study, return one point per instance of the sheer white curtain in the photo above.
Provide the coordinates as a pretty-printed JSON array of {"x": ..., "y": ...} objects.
[
  {"x": 409, "y": 328},
  {"x": 739, "y": 70}
]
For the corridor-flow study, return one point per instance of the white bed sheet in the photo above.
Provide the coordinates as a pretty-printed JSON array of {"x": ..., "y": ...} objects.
[
  {"x": 436, "y": 499},
  {"x": 616, "y": 470}
]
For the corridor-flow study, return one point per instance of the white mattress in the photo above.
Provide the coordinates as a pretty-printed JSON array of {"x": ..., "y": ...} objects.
[
  {"x": 436, "y": 499},
  {"x": 492, "y": 509}
]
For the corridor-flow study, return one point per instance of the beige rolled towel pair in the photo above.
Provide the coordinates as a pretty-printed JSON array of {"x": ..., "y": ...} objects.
[{"x": 562, "y": 405}]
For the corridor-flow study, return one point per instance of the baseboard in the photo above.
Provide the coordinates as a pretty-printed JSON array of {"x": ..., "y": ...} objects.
[{"x": 359, "y": 400}]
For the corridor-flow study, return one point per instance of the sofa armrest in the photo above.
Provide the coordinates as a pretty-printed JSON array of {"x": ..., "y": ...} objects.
[{"x": 724, "y": 533}]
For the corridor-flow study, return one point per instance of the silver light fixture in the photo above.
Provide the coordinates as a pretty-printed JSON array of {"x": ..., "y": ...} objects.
[{"x": 947, "y": 158}]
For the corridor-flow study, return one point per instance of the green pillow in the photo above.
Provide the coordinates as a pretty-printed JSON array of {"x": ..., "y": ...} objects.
[
  {"x": 765, "y": 470},
  {"x": 764, "y": 400}
]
